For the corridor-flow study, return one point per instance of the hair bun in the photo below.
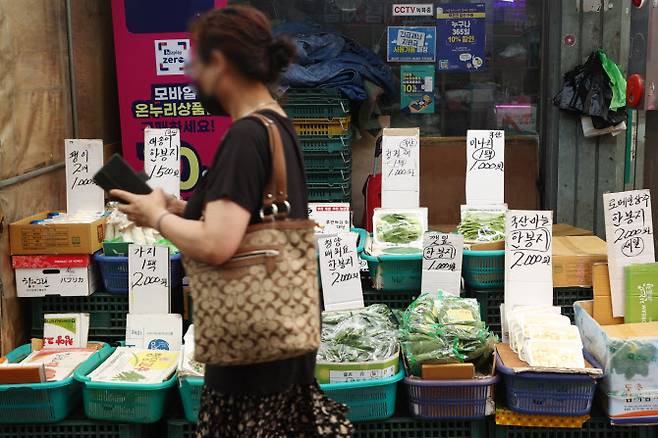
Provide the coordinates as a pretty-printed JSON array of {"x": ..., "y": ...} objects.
[{"x": 281, "y": 53}]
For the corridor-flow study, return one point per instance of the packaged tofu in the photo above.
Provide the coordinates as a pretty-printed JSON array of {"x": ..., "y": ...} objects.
[
  {"x": 532, "y": 315},
  {"x": 547, "y": 332},
  {"x": 555, "y": 354}
]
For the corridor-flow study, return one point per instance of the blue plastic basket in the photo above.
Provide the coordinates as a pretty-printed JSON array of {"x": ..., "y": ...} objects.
[
  {"x": 114, "y": 272},
  {"x": 450, "y": 399},
  {"x": 190, "y": 389},
  {"x": 122, "y": 402},
  {"x": 395, "y": 273},
  {"x": 484, "y": 270},
  {"x": 368, "y": 400},
  {"x": 48, "y": 402},
  {"x": 549, "y": 393}
]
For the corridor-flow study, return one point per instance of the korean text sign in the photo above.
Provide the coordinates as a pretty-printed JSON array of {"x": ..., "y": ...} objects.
[
  {"x": 461, "y": 37},
  {"x": 148, "y": 279},
  {"x": 152, "y": 46},
  {"x": 442, "y": 263},
  {"x": 528, "y": 258},
  {"x": 485, "y": 167},
  {"x": 162, "y": 159},
  {"x": 411, "y": 44},
  {"x": 629, "y": 236},
  {"x": 417, "y": 89},
  {"x": 83, "y": 159},
  {"x": 340, "y": 272}
]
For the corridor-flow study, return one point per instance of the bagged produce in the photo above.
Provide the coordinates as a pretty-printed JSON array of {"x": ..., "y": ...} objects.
[
  {"x": 445, "y": 329},
  {"x": 482, "y": 226}
]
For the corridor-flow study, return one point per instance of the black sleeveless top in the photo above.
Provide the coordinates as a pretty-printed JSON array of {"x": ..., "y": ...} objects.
[{"x": 239, "y": 172}]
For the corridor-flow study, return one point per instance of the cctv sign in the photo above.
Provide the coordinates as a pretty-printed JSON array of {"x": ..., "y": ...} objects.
[{"x": 413, "y": 10}]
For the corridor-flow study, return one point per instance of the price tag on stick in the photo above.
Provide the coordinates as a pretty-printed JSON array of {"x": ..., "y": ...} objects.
[
  {"x": 83, "y": 159},
  {"x": 162, "y": 159},
  {"x": 528, "y": 258},
  {"x": 341, "y": 272},
  {"x": 629, "y": 236},
  {"x": 442, "y": 263},
  {"x": 148, "y": 279},
  {"x": 485, "y": 167}
]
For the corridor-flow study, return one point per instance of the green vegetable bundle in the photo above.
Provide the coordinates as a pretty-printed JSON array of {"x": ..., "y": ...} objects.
[
  {"x": 482, "y": 226},
  {"x": 399, "y": 228},
  {"x": 438, "y": 329},
  {"x": 362, "y": 335}
]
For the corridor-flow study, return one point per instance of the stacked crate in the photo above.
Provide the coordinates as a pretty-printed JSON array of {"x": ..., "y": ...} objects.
[{"x": 322, "y": 122}]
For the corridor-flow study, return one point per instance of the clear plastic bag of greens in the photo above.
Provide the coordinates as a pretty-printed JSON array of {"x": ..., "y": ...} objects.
[{"x": 482, "y": 225}]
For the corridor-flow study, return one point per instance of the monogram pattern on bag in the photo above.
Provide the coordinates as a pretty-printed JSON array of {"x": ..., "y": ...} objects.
[{"x": 260, "y": 310}]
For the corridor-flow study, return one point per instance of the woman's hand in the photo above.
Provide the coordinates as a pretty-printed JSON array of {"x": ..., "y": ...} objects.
[
  {"x": 143, "y": 210},
  {"x": 175, "y": 205}
]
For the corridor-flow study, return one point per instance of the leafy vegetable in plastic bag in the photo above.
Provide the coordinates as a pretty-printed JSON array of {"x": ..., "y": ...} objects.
[
  {"x": 399, "y": 228},
  {"x": 482, "y": 226},
  {"x": 362, "y": 335},
  {"x": 438, "y": 329}
]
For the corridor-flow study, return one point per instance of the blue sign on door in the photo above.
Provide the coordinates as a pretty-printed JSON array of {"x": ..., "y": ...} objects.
[
  {"x": 461, "y": 33},
  {"x": 411, "y": 44}
]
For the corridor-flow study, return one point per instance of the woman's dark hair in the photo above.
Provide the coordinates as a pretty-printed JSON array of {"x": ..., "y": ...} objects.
[{"x": 244, "y": 35}]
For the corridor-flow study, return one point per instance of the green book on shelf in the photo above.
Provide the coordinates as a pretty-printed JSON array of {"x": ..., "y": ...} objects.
[{"x": 641, "y": 285}]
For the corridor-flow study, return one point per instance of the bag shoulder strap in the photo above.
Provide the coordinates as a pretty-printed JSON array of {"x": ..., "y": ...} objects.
[{"x": 275, "y": 194}]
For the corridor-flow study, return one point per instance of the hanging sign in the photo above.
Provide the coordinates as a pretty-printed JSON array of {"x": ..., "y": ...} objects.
[
  {"x": 485, "y": 167},
  {"x": 162, "y": 159},
  {"x": 629, "y": 236},
  {"x": 461, "y": 33},
  {"x": 528, "y": 258},
  {"x": 442, "y": 263},
  {"x": 411, "y": 44},
  {"x": 340, "y": 272},
  {"x": 83, "y": 159},
  {"x": 413, "y": 10},
  {"x": 401, "y": 168},
  {"x": 148, "y": 278},
  {"x": 330, "y": 214},
  {"x": 417, "y": 89}
]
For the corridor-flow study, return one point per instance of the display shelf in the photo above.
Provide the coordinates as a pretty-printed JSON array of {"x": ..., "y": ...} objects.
[
  {"x": 596, "y": 427},
  {"x": 394, "y": 300},
  {"x": 399, "y": 427},
  {"x": 76, "y": 427}
]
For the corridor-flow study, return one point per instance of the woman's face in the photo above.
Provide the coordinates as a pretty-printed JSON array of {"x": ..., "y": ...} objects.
[{"x": 205, "y": 75}]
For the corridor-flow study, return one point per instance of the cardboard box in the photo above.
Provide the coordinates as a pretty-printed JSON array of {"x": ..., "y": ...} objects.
[
  {"x": 65, "y": 275},
  {"x": 511, "y": 360},
  {"x": 507, "y": 417},
  {"x": 573, "y": 257},
  {"x": 641, "y": 283},
  {"x": 628, "y": 354},
  {"x": 602, "y": 296},
  {"x": 570, "y": 230},
  {"x": 37, "y": 239},
  {"x": 452, "y": 371}
]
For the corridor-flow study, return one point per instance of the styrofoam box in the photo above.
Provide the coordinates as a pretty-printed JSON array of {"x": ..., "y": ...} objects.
[{"x": 65, "y": 275}]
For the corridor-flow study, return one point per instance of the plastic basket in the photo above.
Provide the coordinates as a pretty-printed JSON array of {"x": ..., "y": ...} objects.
[
  {"x": 484, "y": 269},
  {"x": 395, "y": 273},
  {"x": 316, "y": 107},
  {"x": 566, "y": 296},
  {"x": 181, "y": 429},
  {"x": 367, "y": 401},
  {"x": 336, "y": 162},
  {"x": 72, "y": 428},
  {"x": 548, "y": 393},
  {"x": 449, "y": 399},
  {"x": 324, "y": 370},
  {"x": 412, "y": 428},
  {"x": 47, "y": 402},
  {"x": 322, "y": 127},
  {"x": 330, "y": 177},
  {"x": 123, "y": 402},
  {"x": 394, "y": 300},
  {"x": 329, "y": 192},
  {"x": 190, "y": 389},
  {"x": 107, "y": 313},
  {"x": 327, "y": 145},
  {"x": 114, "y": 272}
]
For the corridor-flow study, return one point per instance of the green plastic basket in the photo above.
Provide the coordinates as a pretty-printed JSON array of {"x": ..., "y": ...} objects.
[
  {"x": 367, "y": 401},
  {"x": 329, "y": 192},
  {"x": 413, "y": 428},
  {"x": 107, "y": 313},
  {"x": 190, "y": 389},
  {"x": 395, "y": 273},
  {"x": 72, "y": 428},
  {"x": 317, "y": 107},
  {"x": 336, "y": 162},
  {"x": 331, "y": 177},
  {"x": 484, "y": 269},
  {"x": 321, "y": 127},
  {"x": 34, "y": 403},
  {"x": 180, "y": 429},
  {"x": 327, "y": 145},
  {"x": 122, "y": 402}
]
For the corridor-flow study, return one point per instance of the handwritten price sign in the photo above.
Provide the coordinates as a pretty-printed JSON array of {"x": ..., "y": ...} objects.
[
  {"x": 83, "y": 159},
  {"x": 148, "y": 276},
  {"x": 528, "y": 258},
  {"x": 401, "y": 168},
  {"x": 629, "y": 235},
  {"x": 442, "y": 263},
  {"x": 341, "y": 272},
  {"x": 162, "y": 159},
  {"x": 485, "y": 167}
]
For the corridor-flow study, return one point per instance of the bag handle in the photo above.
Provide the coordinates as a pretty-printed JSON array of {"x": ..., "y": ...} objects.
[{"x": 275, "y": 194}]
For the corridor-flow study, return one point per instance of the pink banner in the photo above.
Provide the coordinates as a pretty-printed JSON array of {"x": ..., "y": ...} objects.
[{"x": 152, "y": 46}]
